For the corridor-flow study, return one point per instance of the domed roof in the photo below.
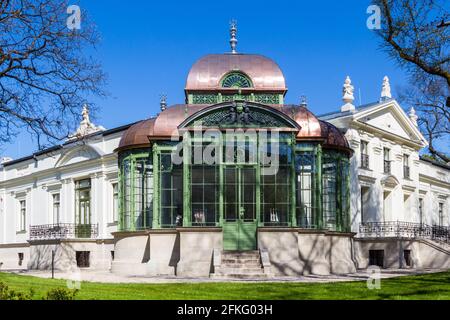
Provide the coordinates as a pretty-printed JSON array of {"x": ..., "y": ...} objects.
[
  {"x": 207, "y": 73},
  {"x": 166, "y": 124},
  {"x": 137, "y": 135},
  {"x": 333, "y": 137}
]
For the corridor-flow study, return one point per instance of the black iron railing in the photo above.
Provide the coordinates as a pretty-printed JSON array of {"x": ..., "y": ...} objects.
[
  {"x": 63, "y": 231},
  {"x": 406, "y": 172},
  {"x": 365, "y": 161},
  {"x": 387, "y": 166},
  {"x": 399, "y": 229}
]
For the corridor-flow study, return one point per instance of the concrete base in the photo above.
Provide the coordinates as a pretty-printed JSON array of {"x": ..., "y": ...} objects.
[
  {"x": 196, "y": 250},
  {"x": 295, "y": 252},
  {"x": 40, "y": 254}
]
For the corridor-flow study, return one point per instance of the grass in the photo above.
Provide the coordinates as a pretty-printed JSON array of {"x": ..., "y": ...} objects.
[{"x": 421, "y": 287}]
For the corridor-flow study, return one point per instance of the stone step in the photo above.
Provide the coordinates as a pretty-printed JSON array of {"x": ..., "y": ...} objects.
[
  {"x": 238, "y": 270},
  {"x": 240, "y": 276},
  {"x": 246, "y": 261},
  {"x": 240, "y": 255}
]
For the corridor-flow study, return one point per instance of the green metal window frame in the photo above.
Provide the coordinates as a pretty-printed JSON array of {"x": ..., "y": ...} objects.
[{"x": 135, "y": 190}]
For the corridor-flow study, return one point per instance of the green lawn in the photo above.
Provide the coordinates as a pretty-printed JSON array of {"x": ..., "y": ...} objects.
[{"x": 429, "y": 286}]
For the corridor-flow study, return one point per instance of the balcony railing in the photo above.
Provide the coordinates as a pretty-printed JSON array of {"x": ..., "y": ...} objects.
[
  {"x": 387, "y": 166},
  {"x": 406, "y": 172},
  {"x": 64, "y": 231},
  {"x": 398, "y": 229},
  {"x": 365, "y": 161}
]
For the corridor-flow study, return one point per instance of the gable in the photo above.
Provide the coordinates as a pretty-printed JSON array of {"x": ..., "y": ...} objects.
[
  {"x": 392, "y": 119},
  {"x": 387, "y": 121},
  {"x": 79, "y": 154}
]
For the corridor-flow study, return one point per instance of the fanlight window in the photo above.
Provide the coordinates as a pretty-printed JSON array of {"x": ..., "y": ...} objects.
[{"x": 236, "y": 80}]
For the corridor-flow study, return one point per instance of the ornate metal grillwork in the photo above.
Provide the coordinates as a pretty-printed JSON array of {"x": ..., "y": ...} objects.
[
  {"x": 365, "y": 161},
  {"x": 236, "y": 80},
  {"x": 267, "y": 98},
  {"x": 63, "y": 231},
  {"x": 399, "y": 229},
  {"x": 406, "y": 172},
  {"x": 204, "y": 99},
  {"x": 387, "y": 166}
]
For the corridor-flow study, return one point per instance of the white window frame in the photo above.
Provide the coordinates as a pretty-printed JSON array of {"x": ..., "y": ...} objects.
[{"x": 22, "y": 221}]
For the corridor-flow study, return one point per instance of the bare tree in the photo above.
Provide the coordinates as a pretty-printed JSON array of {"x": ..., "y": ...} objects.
[
  {"x": 416, "y": 34},
  {"x": 46, "y": 73}
]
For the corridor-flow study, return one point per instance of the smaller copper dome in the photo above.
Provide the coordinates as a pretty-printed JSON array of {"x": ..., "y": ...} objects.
[
  {"x": 137, "y": 135},
  {"x": 309, "y": 123},
  {"x": 333, "y": 137}
]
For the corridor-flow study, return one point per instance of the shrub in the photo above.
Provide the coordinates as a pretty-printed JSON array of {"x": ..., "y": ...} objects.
[
  {"x": 8, "y": 294},
  {"x": 61, "y": 294}
]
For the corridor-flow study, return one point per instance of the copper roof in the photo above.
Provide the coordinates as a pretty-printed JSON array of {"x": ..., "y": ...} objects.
[
  {"x": 165, "y": 126},
  {"x": 207, "y": 73},
  {"x": 333, "y": 137},
  {"x": 137, "y": 135}
]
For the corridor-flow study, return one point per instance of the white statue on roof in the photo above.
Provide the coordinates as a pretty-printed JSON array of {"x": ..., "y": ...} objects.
[
  {"x": 86, "y": 126},
  {"x": 348, "y": 95},
  {"x": 386, "y": 89},
  {"x": 413, "y": 116}
]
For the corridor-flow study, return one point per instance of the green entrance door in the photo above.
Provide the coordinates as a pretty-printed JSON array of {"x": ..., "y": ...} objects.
[{"x": 239, "y": 229}]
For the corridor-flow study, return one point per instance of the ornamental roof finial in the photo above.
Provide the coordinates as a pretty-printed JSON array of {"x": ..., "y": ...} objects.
[
  {"x": 303, "y": 102},
  {"x": 233, "y": 32},
  {"x": 163, "y": 102},
  {"x": 348, "y": 96},
  {"x": 386, "y": 90},
  {"x": 86, "y": 127}
]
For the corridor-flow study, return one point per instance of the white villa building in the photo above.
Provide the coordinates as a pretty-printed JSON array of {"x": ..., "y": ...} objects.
[{"x": 73, "y": 200}]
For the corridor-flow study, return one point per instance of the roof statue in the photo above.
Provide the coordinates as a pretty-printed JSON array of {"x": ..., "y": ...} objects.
[
  {"x": 86, "y": 127},
  {"x": 386, "y": 90},
  {"x": 348, "y": 95},
  {"x": 413, "y": 116}
]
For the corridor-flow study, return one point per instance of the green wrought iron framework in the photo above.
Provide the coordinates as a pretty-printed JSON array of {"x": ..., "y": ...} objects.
[{"x": 310, "y": 189}]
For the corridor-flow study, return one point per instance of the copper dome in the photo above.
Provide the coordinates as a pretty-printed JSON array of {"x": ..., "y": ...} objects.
[
  {"x": 333, "y": 137},
  {"x": 207, "y": 73},
  {"x": 137, "y": 135}
]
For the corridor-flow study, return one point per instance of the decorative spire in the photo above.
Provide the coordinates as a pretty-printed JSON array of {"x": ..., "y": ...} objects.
[
  {"x": 233, "y": 32},
  {"x": 86, "y": 127},
  {"x": 303, "y": 102},
  {"x": 163, "y": 102},
  {"x": 386, "y": 90},
  {"x": 413, "y": 116},
  {"x": 348, "y": 95}
]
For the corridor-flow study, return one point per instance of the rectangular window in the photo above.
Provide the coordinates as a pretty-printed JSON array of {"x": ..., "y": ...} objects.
[
  {"x": 420, "y": 210},
  {"x": 364, "y": 155},
  {"x": 82, "y": 258},
  {"x": 22, "y": 215},
  {"x": 20, "y": 255},
  {"x": 376, "y": 258},
  {"x": 329, "y": 192},
  {"x": 406, "y": 170},
  {"x": 387, "y": 161},
  {"x": 441, "y": 214},
  {"x": 56, "y": 208},
  {"x": 365, "y": 198},
  {"x": 305, "y": 186},
  {"x": 115, "y": 202},
  {"x": 407, "y": 257},
  {"x": 275, "y": 187},
  {"x": 83, "y": 203},
  {"x": 171, "y": 186}
]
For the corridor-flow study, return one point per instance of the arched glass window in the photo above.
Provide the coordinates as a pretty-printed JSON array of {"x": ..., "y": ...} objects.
[
  {"x": 236, "y": 80},
  {"x": 136, "y": 190}
]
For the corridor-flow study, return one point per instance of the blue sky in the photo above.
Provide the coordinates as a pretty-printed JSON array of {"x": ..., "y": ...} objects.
[{"x": 148, "y": 48}]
